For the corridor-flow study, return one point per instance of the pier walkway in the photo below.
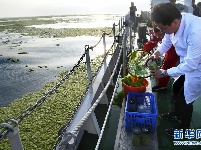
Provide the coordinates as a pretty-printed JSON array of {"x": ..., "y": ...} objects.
[{"x": 124, "y": 138}]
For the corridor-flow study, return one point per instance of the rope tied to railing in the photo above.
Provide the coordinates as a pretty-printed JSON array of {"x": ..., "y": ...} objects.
[
  {"x": 92, "y": 47},
  {"x": 87, "y": 47},
  {"x": 103, "y": 34},
  {"x": 110, "y": 106},
  {"x": 91, "y": 109}
]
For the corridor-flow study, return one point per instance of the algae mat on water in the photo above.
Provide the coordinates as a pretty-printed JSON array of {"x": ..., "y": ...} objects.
[
  {"x": 40, "y": 129},
  {"x": 25, "y": 27}
]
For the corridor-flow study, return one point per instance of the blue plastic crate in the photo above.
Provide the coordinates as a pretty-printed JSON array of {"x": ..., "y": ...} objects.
[{"x": 135, "y": 116}]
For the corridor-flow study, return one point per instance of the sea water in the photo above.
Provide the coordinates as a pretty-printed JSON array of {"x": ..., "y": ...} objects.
[{"x": 16, "y": 80}]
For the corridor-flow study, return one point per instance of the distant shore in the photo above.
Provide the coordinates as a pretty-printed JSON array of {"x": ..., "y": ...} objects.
[{"x": 22, "y": 25}]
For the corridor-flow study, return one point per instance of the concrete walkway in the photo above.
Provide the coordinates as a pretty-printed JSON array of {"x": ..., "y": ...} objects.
[{"x": 124, "y": 138}]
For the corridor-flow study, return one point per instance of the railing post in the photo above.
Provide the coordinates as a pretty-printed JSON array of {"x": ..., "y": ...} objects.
[
  {"x": 130, "y": 36},
  {"x": 104, "y": 45},
  {"x": 122, "y": 24},
  {"x": 124, "y": 55},
  {"x": 119, "y": 26},
  {"x": 114, "y": 36},
  {"x": 13, "y": 136},
  {"x": 88, "y": 68},
  {"x": 14, "y": 139}
]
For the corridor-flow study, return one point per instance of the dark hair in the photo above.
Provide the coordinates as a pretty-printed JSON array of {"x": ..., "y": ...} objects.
[{"x": 165, "y": 13}]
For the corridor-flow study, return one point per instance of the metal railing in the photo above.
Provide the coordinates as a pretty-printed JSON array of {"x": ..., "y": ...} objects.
[{"x": 10, "y": 129}]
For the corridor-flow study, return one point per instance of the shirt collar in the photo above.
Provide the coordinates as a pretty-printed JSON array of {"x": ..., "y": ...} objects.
[{"x": 181, "y": 27}]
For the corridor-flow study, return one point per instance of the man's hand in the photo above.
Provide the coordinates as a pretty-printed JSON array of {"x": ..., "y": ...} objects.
[{"x": 157, "y": 73}]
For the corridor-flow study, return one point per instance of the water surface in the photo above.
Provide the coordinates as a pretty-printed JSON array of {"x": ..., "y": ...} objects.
[{"x": 44, "y": 59}]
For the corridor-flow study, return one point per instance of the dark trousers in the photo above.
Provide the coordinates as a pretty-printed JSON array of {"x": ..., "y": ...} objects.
[{"x": 183, "y": 111}]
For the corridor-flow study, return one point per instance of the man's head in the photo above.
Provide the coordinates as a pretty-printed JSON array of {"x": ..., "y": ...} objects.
[
  {"x": 166, "y": 17},
  {"x": 172, "y": 1}
]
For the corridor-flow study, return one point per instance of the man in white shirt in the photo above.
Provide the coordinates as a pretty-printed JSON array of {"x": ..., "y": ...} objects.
[
  {"x": 133, "y": 9},
  {"x": 183, "y": 30},
  {"x": 127, "y": 24}
]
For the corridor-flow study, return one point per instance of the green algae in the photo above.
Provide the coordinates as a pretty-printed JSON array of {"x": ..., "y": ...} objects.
[{"x": 40, "y": 129}]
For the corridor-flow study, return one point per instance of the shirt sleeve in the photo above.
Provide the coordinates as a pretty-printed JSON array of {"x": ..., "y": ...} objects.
[
  {"x": 192, "y": 60},
  {"x": 165, "y": 45}
]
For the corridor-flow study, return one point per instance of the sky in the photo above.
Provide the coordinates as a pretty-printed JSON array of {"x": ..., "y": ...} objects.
[{"x": 23, "y": 8}]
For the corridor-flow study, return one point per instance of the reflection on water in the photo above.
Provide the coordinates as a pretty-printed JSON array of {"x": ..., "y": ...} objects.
[
  {"x": 46, "y": 56},
  {"x": 97, "y": 24},
  {"x": 84, "y": 21}
]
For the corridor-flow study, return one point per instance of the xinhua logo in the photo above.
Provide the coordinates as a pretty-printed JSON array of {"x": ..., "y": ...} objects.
[{"x": 184, "y": 137}]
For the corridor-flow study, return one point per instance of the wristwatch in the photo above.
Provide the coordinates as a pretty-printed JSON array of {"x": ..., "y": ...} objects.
[{"x": 164, "y": 73}]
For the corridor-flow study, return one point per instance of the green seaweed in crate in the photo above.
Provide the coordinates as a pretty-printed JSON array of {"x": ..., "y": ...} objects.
[{"x": 132, "y": 81}]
